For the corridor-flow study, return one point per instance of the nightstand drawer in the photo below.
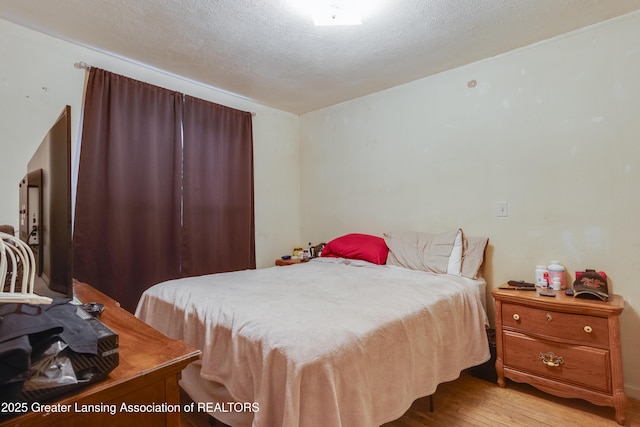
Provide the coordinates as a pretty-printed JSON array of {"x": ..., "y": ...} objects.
[
  {"x": 577, "y": 328},
  {"x": 583, "y": 366}
]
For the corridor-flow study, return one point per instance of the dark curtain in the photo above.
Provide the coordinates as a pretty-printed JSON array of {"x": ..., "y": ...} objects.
[
  {"x": 127, "y": 222},
  {"x": 218, "y": 228},
  {"x": 165, "y": 188}
]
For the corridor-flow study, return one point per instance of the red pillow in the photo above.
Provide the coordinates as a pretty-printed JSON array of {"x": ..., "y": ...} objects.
[{"x": 358, "y": 246}]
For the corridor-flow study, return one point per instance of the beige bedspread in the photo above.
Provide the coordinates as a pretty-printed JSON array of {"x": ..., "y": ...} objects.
[{"x": 325, "y": 343}]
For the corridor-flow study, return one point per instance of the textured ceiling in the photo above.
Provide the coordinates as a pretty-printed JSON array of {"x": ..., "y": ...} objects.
[{"x": 270, "y": 52}]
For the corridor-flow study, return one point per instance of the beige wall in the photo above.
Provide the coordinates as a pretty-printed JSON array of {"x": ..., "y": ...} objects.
[
  {"x": 37, "y": 79},
  {"x": 553, "y": 129}
]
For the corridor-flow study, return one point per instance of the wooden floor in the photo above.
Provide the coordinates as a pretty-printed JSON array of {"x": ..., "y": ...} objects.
[{"x": 470, "y": 401}]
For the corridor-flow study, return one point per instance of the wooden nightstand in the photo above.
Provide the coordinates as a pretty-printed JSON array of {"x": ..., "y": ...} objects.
[
  {"x": 565, "y": 346},
  {"x": 291, "y": 261}
]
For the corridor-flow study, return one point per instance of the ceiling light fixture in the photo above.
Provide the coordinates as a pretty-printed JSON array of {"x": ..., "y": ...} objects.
[{"x": 336, "y": 12}]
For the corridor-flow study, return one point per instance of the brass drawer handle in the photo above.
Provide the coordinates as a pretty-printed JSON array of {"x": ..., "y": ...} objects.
[
  {"x": 516, "y": 316},
  {"x": 551, "y": 359},
  {"x": 549, "y": 318},
  {"x": 588, "y": 329}
]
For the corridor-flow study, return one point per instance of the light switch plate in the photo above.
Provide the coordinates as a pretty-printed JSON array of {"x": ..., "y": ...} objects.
[{"x": 502, "y": 209}]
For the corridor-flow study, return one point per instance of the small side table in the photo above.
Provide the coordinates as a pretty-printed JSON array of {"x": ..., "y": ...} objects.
[
  {"x": 282, "y": 262},
  {"x": 565, "y": 346}
]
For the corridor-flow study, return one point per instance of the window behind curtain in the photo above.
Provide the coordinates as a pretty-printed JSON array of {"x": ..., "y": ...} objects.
[{"x": 131, "y": 228}]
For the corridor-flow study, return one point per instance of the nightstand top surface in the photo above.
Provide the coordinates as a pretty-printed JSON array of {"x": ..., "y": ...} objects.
[{"x": 614, "y": 304}]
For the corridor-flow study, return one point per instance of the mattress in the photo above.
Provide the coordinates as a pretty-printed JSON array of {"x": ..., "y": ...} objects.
[{"x": 331, "y": 342}]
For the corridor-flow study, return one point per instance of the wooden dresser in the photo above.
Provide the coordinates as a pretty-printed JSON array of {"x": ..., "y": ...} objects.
[
  {"x": 565, "y": 346},
  {"x": 148, "y": 373}
]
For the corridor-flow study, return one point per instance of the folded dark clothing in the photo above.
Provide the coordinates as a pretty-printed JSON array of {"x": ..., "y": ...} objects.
[
  {"x": 14, "y": 357},
  {"x": 25, "y": 319},
  {"x": 18, "y": 324},
  {"x": 27, "y": 330},
  {"x": 77, "y": 333}
]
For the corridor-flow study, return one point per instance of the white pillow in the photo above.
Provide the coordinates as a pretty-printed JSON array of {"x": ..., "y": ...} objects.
[{"x": 455, "y": 259}]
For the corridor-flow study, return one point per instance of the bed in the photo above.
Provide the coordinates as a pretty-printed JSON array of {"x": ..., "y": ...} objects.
[{"x": 336, "y": 341}]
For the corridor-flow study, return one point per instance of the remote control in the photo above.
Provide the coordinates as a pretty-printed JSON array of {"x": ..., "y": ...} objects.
[
  {"x": 518, "y": 288},
  {"x": 546, "y": 294}
]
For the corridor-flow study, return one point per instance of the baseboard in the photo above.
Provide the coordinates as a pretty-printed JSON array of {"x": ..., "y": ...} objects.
[{"x": 633, "y": 391}]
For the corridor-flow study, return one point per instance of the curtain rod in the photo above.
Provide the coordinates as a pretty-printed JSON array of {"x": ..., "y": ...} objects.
[{"x": 84, "y": 66}]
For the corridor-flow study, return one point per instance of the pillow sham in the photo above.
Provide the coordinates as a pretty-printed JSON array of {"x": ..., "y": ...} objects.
[
  {"x": 420, "y": 251},
  {"x": 473, "y": 256},
  {"x": 455, "y": 259},
  {"x": 358, "y": 246}
]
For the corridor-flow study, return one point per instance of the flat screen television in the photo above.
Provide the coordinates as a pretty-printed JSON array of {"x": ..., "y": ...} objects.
[{"x": 45, "y": 208}]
